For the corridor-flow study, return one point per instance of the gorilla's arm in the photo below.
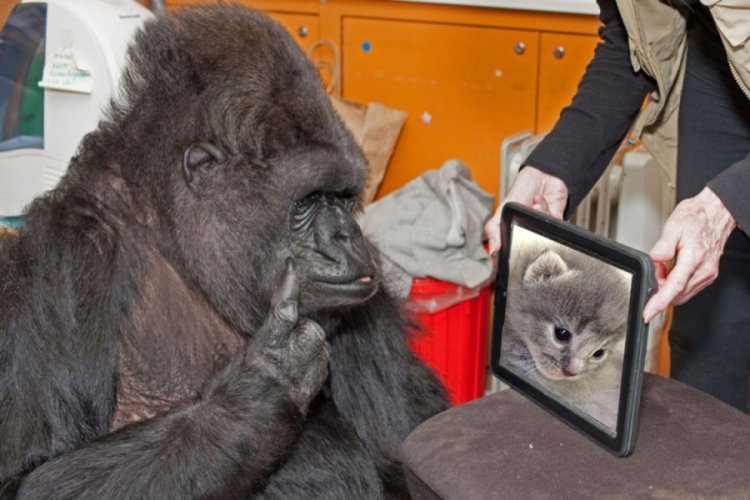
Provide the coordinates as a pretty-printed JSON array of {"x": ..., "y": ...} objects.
[
  {"x": 219, "y": 446},
  {"x": 57, "y": 356},
  {"x": 223, "y": 157},
  {"x": 378, "y": 383}
]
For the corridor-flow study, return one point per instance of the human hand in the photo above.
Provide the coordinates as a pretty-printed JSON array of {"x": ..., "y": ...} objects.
[
  {"x": 535, "y": 189},
  {"x": 695, "y": 234}
]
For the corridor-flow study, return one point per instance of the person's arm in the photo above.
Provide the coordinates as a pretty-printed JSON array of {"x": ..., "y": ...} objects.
[
  {"x": 731, "y": 188},
  {"x": 590, "y": 129},
  {"x": 578, "y": 149},
  {"x": 694, "y": 236}
]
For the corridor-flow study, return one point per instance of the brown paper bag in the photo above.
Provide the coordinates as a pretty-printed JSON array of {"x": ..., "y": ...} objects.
[{"x": 375, "y": 127}]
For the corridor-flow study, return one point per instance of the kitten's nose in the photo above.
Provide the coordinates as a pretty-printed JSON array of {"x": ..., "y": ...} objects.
[
  {"x": 571, "y": 368},
  {"x": 567, "y": 372}
]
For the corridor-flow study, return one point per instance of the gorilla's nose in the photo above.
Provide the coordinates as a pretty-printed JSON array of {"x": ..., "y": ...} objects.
[{"x": 337, "y": 235}]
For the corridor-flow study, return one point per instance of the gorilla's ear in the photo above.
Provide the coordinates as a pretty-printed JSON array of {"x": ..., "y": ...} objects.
[{"x": 200, "y": 154}]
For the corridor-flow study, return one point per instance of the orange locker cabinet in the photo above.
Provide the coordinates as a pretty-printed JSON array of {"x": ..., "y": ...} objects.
[
  {"x": 562, "y": 60},
  {"x": 305, "y": 28},
  {"x": 463, "y": 87}
]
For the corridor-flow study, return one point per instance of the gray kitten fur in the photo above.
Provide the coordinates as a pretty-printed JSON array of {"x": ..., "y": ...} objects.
[{"x": 565, "y": 324}]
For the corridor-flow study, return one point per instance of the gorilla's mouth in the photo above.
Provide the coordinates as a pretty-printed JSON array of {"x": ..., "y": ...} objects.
[
  {"x": 363, "y": 284},
  {"x": 331, "y": 293}
]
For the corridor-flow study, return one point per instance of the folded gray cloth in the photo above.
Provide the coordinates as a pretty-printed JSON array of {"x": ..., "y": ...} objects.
[{"x": 433, "y": 226}]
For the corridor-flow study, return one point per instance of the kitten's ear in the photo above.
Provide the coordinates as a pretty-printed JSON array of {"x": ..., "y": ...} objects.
[{"x": 545, "y": 267}]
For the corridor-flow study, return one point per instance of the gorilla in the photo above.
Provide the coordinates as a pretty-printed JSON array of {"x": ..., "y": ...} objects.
[{"x": 194, "y": 312}]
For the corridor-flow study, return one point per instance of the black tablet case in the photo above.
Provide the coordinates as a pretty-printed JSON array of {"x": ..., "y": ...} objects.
[{"x": 619, "y": 440}]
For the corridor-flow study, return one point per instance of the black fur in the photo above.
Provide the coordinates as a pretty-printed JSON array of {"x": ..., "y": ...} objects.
[{"x": 161, "y": 310}]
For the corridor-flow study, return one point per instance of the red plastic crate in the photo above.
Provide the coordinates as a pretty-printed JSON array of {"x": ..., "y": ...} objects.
[{"x": 453, "y": 341}]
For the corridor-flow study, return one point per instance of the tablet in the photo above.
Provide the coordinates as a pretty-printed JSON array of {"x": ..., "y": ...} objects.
[{"x": 568, "y": 331}]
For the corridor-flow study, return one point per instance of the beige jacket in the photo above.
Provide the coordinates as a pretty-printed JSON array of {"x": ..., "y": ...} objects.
[{"x": 657, "y": 39}]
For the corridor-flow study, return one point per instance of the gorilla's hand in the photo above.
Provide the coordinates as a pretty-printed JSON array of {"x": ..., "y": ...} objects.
[{"x": 290, "y": 350}]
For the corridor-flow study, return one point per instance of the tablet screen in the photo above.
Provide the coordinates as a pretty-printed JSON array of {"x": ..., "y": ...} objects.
[{"x": 568, "y": 331}]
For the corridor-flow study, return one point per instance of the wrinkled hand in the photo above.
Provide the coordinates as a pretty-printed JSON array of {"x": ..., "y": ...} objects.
[
  {"x": 535, "y": 189},
  {"x": 290, "y": 350},
  {"x": 695, "y": 234}
]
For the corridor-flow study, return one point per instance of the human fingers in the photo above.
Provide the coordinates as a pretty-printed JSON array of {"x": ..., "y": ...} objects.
[
  {"x": 700, "y": 279},
  {"x": 660, "y": 272},
  {"x": 665, "y": 247},
  {"x": 532, "y": 188},
  {"x": 696, "y": 233},
  {"x": 521, "y": 191},
  {"x": 694, "y": 271},
  {"x": 674, "y": 284},
  {"x": 554, "y": 194},
  {"x": 545, "y": 192},
  {"x": 492, "y": 231},
  {"x": 696, "y": 265},
  {"x": 539, "y": 203},
  {"x": 526, "y": 186},
  {"x": 661, "y": 253},
  {"x": 706, "y": 270},
  {"x": 555, "y": 205}
]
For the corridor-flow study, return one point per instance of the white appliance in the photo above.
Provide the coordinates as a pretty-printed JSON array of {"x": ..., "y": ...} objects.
[{"x": 60, "y": 63}]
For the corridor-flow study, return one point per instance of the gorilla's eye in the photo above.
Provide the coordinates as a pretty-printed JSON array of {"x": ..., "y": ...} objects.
[
  {"x": 305, "y": 203},
  {"x": 349, "y": 203},
  {"x": 562, "y": 334},
  {"x": 312, "y": 200},
  {"x": 303, "y": 212},
  {"x": 598, "y": 354}
]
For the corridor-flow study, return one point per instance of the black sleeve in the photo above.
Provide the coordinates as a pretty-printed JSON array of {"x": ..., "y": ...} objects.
[
  {"x": 591, "y": 128},
  {"x": 730, "y": 187}
]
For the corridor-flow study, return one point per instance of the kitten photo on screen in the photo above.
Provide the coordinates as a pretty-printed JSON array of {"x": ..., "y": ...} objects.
[{"x": 565, "y": 324}]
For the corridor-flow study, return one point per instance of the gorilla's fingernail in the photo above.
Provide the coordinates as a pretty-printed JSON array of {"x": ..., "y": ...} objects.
[{"x": 288, "y": 310}]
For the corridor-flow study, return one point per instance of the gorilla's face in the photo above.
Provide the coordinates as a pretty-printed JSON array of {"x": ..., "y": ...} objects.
[
  {"x": 267, "y": 171},
  {"x": 336, "y": 267},
  {"x": 238, "y": 220}
]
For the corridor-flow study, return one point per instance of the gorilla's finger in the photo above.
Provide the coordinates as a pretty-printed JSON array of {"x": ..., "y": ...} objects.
[
  {"x": 284, "y": 311},
  {"x": 313, "y": 353},
  {"x": 286, "y": 297},
  {"x": 309, "y": 338},
  {"x": 289, "y": 287}
]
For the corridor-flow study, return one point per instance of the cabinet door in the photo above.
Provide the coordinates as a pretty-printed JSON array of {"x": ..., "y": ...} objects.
[
  {"x": 305, "y": 28},
  {"x": 464, "y": 87},
  {"x": 562, "y": 62}
]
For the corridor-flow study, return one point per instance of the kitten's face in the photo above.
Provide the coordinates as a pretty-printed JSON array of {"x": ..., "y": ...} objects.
[
  {"x": 571, "y": 320},
  {"x": 560, "y": 353}
]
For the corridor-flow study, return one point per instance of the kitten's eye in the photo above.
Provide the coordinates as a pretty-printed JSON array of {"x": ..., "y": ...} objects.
[
  {"x": 598, "y": 353},
  {"x": 562, "y": 334}
]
